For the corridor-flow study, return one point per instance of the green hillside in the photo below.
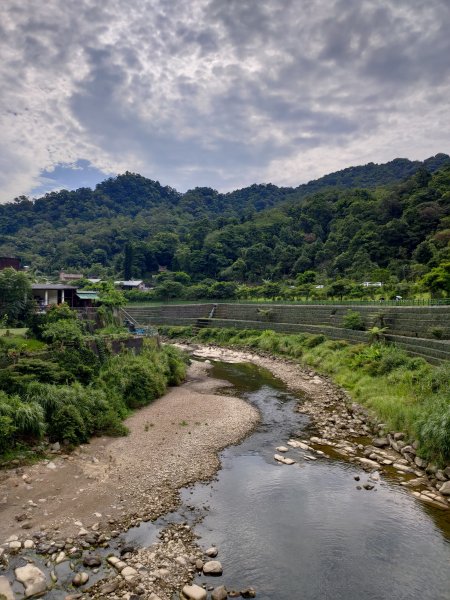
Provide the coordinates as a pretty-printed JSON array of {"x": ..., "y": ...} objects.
[{"x": 364, "y": 223}]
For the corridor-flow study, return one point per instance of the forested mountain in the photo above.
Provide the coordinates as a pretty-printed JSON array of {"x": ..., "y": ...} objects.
[{"x": 355, "y": 223}]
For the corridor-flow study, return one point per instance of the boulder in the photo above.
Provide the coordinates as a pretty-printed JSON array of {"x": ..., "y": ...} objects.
[
  {"x": 92, "y": 560},
  {"x": 219, "y": 593},
  {"x": 194, "y": 592},
  {"x": 282, "y": 449},
  {"x": 420, "y": 462},
  {"x": 6, "y": 592},
  {"x": 212, "y": 567},
  {"x": 212, "y": 552},
  {"x": 248, "y": 593},
  {"x": 380, "y": 442},
  {"x": 445, "y": 488},
  {"x": 32, "y": 578}
]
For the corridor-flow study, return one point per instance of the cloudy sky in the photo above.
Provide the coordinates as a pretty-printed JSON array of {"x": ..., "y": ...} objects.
[{"x": 222, "y": 93}]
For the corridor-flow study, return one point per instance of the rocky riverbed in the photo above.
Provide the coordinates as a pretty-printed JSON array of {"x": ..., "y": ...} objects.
[
  {"x": 346, "y": 429},
  {"x": 50, "y": 541}
]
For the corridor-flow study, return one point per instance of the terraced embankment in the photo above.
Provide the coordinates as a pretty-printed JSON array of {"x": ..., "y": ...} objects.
[{"x": 411, "y": 328}]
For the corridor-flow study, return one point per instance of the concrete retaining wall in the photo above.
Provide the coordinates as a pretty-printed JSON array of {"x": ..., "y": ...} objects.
[{"x": 409, "y": 327}]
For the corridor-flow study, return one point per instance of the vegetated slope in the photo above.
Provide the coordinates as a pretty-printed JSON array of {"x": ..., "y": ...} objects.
[{"x": 268, "y": 231}]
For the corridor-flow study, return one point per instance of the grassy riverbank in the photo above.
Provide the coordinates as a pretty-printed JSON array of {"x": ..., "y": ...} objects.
[
  {"x": 72, "y": 412},
  {"x": 408, "y": 394}
]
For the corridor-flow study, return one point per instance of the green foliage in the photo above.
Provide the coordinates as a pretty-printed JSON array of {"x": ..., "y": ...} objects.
[
  {"x": 339, "y": 227},
  {"x": 140, "y": 379},
  {"x": 438, "y": 279},
  {"x": 353, "y": 320},
  {"x": 68, "y": 425},
  {"x": 15, "y": 297},
  {"x": 376, "y": 334},
  {"x": 62, "y": 332},
  {"x": 437, "y": 332}
]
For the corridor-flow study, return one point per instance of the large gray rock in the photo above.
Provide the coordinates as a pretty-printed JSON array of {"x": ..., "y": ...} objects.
[
  {"x": 32, "y": 578},
  {"x": 445, "y": 488},
  {"x": 194, "y": 592},
  {"x": 6, "y": 592},
  {"x": 420, "y": 462},
  {"x": 380, "y": 442},
  {"x": 212, "y": 567}
]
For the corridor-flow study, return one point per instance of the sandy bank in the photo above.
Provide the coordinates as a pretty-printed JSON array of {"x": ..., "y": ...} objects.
[{"x": 172, "y": 442}]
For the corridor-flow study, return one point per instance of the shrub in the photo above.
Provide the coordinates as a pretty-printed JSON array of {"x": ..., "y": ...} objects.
[
  {"x": 7, "y": 431},
  {"x": 67, "y": 425},
  {"x": 315, "y": 340},
  {"x": 63, "y": 331},
  {"x": 437, "y": 332},
  {"x": 353, "y": 320}
]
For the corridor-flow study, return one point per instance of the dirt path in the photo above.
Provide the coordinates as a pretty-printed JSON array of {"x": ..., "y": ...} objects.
[{"x": 172, "y": 442}]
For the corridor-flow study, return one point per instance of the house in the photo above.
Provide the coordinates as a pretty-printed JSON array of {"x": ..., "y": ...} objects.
[
  {"x": 93, "y": 280},
  {"x": 70, "y": 276},
  {"x": 46, "y": 294},
  {"x": 319, "y": 287},
  {"x": 372, "y": 284},
  {"x": 9, "y": 262},
  {"x": 132, "y": 284}
]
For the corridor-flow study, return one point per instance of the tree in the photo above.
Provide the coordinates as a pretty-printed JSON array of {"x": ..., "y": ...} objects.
[
  {"x": 339, "y": 288},
  {"x": 437, "y": 281},
  {"x": 16, "y": 299},
  {"x": 128, "y": 261}
]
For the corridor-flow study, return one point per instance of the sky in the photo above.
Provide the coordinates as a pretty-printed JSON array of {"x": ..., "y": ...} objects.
[{"x": 220, "y": 93}]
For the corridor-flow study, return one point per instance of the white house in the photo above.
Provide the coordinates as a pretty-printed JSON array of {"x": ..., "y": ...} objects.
[{"x": 132, "y": 284}]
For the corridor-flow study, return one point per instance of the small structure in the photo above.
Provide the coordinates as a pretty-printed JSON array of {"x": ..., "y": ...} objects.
[
  {"x": 9, "y": 262},
  {"x": 93, "y": 280},
  {"x": 132, "y": 284},
  {"x": 372, "y": 284},
  {"x": 46, "y": 294},
  {"x": 68, "y": 277}
]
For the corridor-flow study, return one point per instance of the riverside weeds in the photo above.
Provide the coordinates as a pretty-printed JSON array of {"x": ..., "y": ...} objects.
[{"x": 406, "y": 393}]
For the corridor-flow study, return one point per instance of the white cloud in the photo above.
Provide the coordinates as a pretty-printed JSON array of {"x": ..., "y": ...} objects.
[{"x": 220, "y": 93}]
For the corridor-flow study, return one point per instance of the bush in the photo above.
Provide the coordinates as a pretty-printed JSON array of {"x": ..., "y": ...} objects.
[
  {"x": 67, "y": 425},
  {"x": 315, "y": 340},
  {"x": 437, "y": 332},
  {"x": 353, "y": 320},
  {"x": 7, "y": 431}
]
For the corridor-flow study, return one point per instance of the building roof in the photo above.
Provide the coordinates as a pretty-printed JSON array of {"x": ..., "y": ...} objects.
[
  {"x": 51, "y": 286},
  {"x": 132, "y": 283},
  {"x": 87, "y": 295}
]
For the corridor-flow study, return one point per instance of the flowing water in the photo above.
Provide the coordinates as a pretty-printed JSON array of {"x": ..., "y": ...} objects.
[{"x": 305, "y": 531}]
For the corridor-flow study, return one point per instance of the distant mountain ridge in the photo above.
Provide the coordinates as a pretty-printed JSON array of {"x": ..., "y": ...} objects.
[
  {"x": 201, "y": 230},
  {"x": 373, "y": 175}
]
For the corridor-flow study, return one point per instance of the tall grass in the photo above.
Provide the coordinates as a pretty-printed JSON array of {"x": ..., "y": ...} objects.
[
  {"x": 74, "y": 412},
  {"x": 406, "y": 393}
]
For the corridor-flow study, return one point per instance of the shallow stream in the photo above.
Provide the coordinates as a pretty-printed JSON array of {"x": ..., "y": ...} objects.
[{"x": 304, "y": 531}]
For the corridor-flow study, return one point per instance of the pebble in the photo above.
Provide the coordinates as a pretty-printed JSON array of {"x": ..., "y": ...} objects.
[{"x": 80, "y": 579}]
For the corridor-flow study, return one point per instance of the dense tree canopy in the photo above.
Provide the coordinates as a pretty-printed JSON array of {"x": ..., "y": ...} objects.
[{"x": 364, "y": 223}]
